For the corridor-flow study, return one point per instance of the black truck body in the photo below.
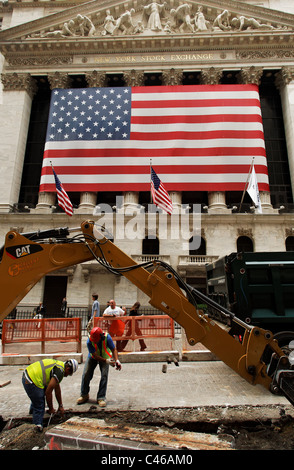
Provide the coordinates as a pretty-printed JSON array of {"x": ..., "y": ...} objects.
[{"x": 257, "y": 287}]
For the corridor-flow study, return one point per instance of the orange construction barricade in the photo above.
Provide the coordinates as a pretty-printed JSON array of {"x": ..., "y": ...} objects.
[{"x": 42, "y": 330}]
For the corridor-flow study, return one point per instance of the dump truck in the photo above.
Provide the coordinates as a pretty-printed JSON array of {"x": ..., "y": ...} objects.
[{"x": 256, "y": 287}]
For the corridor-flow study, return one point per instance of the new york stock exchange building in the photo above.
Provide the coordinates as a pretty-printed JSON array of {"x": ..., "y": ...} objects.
[{"x": 103, "y": 91}]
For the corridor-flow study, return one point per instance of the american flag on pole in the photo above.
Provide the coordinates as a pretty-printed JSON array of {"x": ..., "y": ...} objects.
[
  {"x": 62, "y": 197},
  {"x": 159, "y": 194},
  {"x": 201, "y": 138}
]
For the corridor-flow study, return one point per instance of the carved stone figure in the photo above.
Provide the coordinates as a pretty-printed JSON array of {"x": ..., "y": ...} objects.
[
  {"x": 125, "y": 23},
  {"x": 67, "y": 30},
  {"x": 168, "y": 28},
  {"x": 84, "y": 26},
  {"x": 222, "y": 21},
  {"x": 139, "y": 28},
  {"x": 109, "y": 24},
  {"x": 200, "y": 22},
  {"x": 153, "y": 12},
  {"x": 79, "y": 26},
  {"x": 182, "y": 18},
  {"x": 242, "y": 23}
]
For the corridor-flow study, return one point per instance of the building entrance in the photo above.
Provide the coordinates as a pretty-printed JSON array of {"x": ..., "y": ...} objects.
[{"x": 54, "y": 292}]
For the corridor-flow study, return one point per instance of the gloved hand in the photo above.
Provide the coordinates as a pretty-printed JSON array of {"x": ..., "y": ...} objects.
[
  {"x": 110, "y": 362},
  {"x": 118, "y": 365}
]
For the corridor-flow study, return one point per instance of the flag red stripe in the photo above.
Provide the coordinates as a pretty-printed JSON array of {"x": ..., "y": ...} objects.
[
  {"x": 195, "y": 103},
  {"x": 107, "y": 186},
  {"x": 196, "y": 119},
  {"x": 164, "y": 152},
  {"x": 190, "y": 88},
  {"x": 221, "y": 134},
  {"x": 197, "y": 169}
]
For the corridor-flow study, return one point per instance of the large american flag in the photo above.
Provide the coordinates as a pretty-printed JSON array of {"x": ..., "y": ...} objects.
[{"x": 200, "y": 138}]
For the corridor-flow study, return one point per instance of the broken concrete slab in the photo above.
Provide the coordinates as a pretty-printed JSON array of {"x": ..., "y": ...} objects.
[{"x": 93, "y": 434}]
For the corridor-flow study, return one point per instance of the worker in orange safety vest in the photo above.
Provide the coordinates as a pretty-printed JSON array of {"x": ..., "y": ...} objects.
[{"x": 102, "y": 351}]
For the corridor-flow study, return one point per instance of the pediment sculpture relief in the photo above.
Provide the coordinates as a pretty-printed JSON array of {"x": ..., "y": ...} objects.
[{"x": 157, "y": 18}]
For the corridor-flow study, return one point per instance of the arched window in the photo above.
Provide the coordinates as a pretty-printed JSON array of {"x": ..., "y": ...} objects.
[
  {"x": 197, "y": 251},
  {"x": 150, "y": 246},
  {"x": 244, "y": 244},
  {"x": 290, "y": 243}
]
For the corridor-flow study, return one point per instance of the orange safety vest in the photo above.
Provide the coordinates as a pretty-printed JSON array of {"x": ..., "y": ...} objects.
[{"x": 105, "y": 352}]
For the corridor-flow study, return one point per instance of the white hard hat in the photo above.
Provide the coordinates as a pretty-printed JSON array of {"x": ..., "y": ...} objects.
[{"x": 73, "y": 363}]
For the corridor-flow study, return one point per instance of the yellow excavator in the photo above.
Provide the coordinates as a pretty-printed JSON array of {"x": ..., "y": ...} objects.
[{"x": 26, "y": 258}]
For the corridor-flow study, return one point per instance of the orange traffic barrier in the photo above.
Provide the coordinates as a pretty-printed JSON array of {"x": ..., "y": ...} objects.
[
  {"x": 137, "y": 327},
  {"x": 42, "y": 330}
]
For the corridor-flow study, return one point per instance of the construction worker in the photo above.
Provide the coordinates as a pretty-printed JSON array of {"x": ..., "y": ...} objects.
[
  {"x": 102, "y": 351},
  {"x": 39, "y": 380}
]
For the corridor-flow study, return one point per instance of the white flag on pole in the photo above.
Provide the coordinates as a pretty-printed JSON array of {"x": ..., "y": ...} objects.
[{"x": 253, "y": 191}]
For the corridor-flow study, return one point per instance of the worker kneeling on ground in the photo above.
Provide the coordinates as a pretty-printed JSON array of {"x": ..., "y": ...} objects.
[
  {"x": 102, "y": 351},
  {"x": 40, "y": 379}
]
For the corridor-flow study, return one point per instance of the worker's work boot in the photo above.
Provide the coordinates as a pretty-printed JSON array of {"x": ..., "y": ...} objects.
[
  {"x": 101, "y": 402},
  {"x": 82, "y": 399}
]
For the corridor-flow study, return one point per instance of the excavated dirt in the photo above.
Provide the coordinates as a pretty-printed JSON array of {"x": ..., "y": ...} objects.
[{"x": 244, "y": 434}]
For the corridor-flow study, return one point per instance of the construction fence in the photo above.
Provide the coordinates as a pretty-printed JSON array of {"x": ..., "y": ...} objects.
[
  {"x": 43, "y": 331},
  {"x": 150, "y": 332},
  {"x": 144, "y": 331},
  {"x": 84, "y": 313}
]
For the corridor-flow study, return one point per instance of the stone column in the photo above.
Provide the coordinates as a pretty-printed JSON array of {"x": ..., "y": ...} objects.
[
  {"x": 176, "y": 198},
  {"x": 285, "y": 84},
  {"x": 134, "y": 78},
  {"x": 15, "y": 110},
  {"x": 45, "y": 203},
  {"x": 252, "y": 75},
  {"x": 217, "y": 202},
  {"x": 96, "y": 79},
  {"x": 131, "y": 198},
  {"x": 172, "y": 77},
  {"x": 216, "y": 199},
  {"x": 87, "y": 203},
  {"x": 47, "y": 200}
]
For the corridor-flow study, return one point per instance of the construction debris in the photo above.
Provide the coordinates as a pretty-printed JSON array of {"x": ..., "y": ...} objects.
[{"x": 5, "y": 383}]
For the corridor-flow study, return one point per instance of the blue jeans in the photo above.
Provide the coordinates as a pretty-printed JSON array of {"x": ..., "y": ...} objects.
[
  {"x": 88, "y": 372},
  {"x": 37, "y": 397}
]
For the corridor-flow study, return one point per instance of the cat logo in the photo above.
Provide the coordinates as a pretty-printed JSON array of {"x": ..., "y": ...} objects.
[{"x": 20, "y": 251}]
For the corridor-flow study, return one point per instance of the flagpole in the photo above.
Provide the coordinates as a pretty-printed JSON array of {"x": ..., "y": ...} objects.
[
  {"x": 150, "y": 162},
  {"x": 246, "y": 184}
]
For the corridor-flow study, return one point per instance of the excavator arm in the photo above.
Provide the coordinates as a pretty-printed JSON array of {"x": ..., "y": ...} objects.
[{"x": 26, "y": 258}]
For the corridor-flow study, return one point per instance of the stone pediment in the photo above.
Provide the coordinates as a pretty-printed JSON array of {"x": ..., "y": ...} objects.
[
  {"x": 132, "y": 27},
  {"x": 100, "y": 20}
]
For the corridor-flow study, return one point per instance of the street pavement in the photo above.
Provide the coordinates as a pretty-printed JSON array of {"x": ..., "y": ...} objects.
[{"x": 143, "y": 386}]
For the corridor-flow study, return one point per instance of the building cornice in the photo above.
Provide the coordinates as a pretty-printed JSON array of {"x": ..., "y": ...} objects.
[{"x": 117, "y": 53}]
